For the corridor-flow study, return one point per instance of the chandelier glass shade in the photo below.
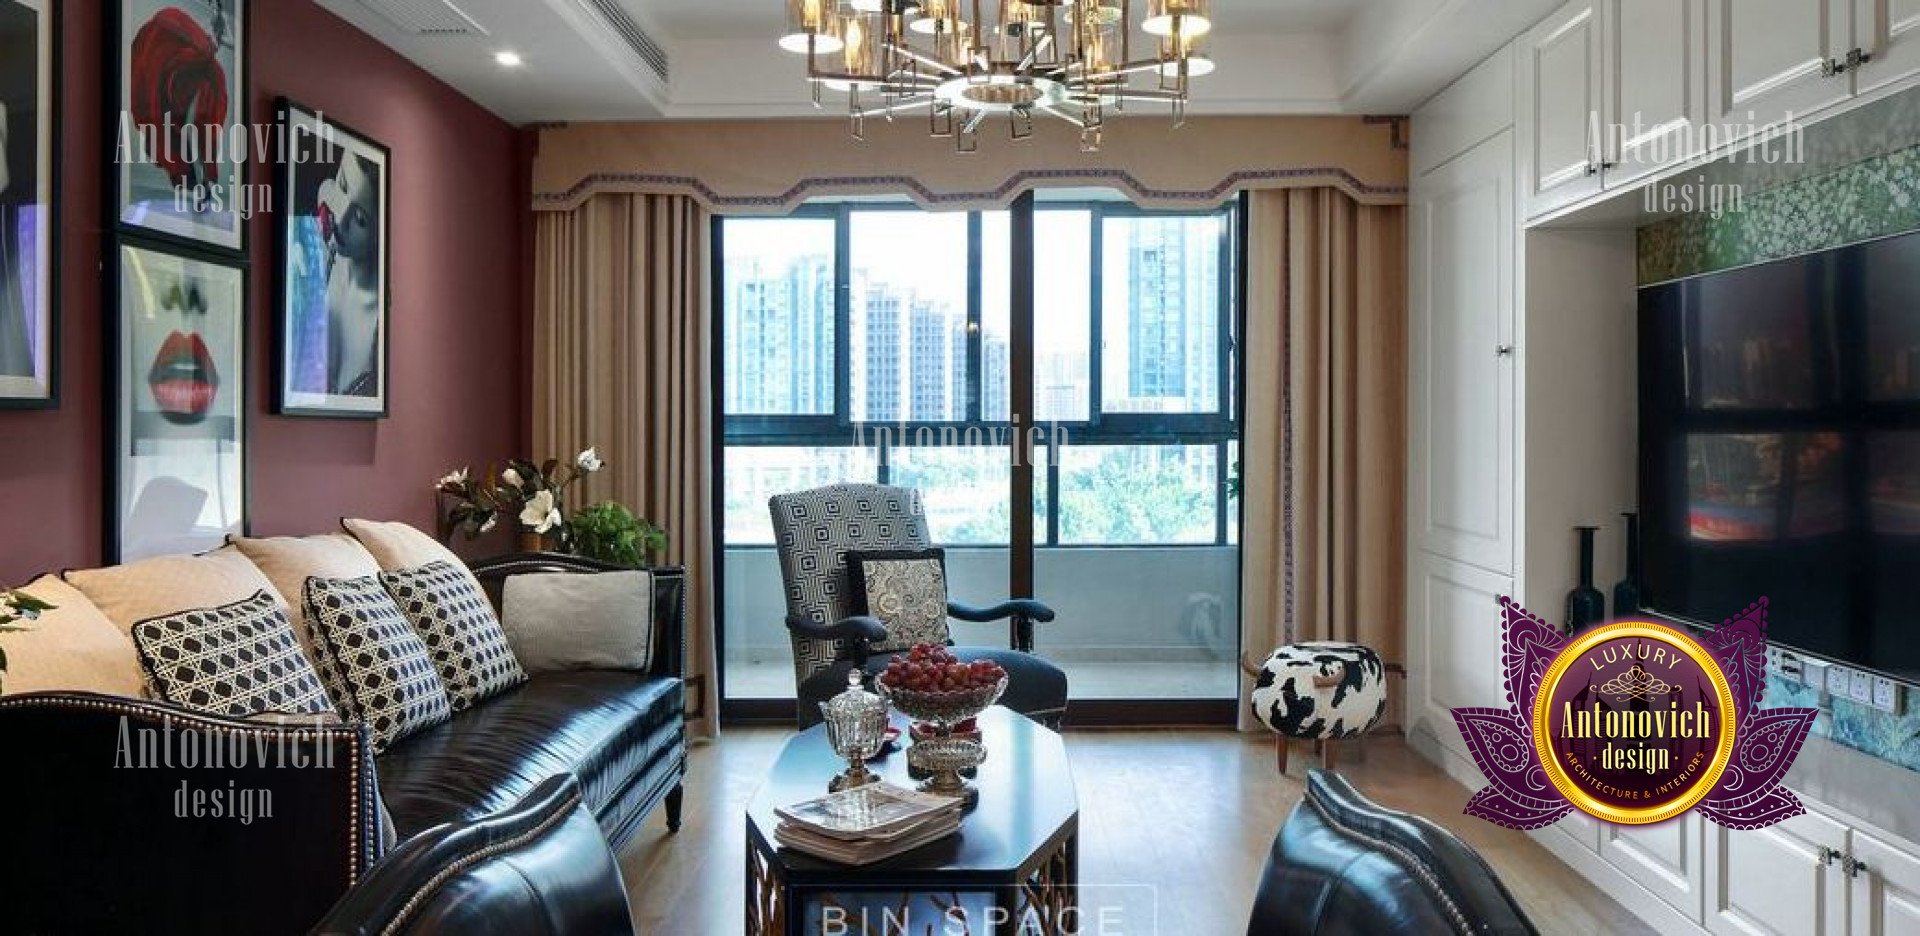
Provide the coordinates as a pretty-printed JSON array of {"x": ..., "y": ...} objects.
[{"x": 963, "y": 62}]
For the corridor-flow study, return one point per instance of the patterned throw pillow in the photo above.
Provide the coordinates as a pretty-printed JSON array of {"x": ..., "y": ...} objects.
[
  {"x": 461, "y": 631},
  {"x": 236, "y": 660},
  {"x": 377, "y": 668},
  {"x": 907, "y": 591}
]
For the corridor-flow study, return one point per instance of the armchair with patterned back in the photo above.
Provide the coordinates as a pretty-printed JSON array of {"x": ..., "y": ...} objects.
[{"x": 864, "y": 582}]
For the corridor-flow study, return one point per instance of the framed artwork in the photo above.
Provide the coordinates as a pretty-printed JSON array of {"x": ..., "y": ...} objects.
[
  {"x": 335, "y": 316},
  {"x": 29, "y": 345},
  {"x": 178, "y": 125},
  {"x": 180, "y": 396}
]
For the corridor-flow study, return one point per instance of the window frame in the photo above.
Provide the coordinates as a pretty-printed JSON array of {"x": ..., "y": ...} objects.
[{"x": 1220, "y": 428}]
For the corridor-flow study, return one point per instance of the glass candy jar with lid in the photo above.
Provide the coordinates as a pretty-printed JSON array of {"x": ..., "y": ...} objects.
[{"x": 857, "y": 729}]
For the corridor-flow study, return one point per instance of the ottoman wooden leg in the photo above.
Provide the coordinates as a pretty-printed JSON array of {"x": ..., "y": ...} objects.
[
  {"x": 1326, "y": 754},
  {"x": 1280, "y": 745}
]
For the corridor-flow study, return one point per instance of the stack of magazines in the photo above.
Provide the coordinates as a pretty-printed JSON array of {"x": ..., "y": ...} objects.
[{"x": 867, "y": 824}]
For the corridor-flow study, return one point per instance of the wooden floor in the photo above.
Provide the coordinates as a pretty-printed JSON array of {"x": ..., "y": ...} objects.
[{"x": 1190, "y": 812}]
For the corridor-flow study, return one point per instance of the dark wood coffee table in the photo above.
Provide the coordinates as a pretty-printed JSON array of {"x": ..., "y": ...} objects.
[{"x": 1012, "y": 868}]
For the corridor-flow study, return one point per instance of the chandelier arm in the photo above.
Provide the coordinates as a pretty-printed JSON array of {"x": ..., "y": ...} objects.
[
  {"x": 927, "y": 60},
  {"x": 898, "y": 107},
  {"x": 1033, "y": 54},
  {"x": 973, "y": 123},
  {"x": 1069, "y": 118},
  {"x": 1141, "y": 94}
]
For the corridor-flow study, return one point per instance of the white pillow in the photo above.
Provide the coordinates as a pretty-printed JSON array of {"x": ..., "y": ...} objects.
[{"x": 567, "y": 621}]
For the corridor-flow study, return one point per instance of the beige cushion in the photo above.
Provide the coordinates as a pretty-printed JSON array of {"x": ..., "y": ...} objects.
[
  {"x": 563, "y": 621},
  {"x": 73, "y": 648},
  {"x": 399, "y": 547},
  {"x": 151, "y": 588},
  {"x": 288, "y": 561}
]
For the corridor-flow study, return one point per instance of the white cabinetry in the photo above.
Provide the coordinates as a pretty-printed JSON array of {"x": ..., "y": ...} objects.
[
  {"x": 1561, "y": 108},
  {"x": 1889, "y": 32},
  {"x": 1772, "y": 59},
  {"x": 1886, "y": 887},
  {"x": 1656, "y": 84},
  {"x": 1462, "y": 286},
  {"x": 1782, "y": 879},
  {"x": 1666, "y": 858}
]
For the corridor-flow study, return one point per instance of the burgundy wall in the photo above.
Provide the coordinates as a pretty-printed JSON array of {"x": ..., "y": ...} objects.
[{"x": 459, "y": 292}]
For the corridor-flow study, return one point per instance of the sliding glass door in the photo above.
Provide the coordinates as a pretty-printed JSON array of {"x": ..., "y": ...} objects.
[{"x": 879, "y": 342}]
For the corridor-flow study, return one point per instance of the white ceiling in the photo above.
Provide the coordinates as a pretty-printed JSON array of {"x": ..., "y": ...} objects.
[{"x": 1276, "y": 56}]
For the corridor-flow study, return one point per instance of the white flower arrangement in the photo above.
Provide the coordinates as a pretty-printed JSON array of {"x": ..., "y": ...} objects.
[{"x": 533, "y": 495}]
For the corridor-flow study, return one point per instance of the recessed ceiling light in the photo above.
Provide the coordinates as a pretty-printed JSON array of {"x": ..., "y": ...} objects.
[{"x": 507, "y": 59}]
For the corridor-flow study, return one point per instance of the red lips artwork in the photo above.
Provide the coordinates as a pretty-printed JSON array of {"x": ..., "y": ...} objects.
[
  {"x": 183, "y": 380},
  {"x": 177, "y": 80}
]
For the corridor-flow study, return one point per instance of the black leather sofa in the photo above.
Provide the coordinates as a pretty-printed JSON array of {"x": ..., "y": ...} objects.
[
  {"x": 541, "y": 868},
  {"x": 95, "y": 844},
  {"x": 622, "y": 735},
  {"x": 1343, "y": 865}
]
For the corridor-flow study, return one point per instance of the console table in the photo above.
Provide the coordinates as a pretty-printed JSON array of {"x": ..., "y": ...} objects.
[{"x": 1012, "y": 868}]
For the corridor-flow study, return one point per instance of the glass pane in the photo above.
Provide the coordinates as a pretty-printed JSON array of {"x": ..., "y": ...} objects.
[
  {"x": 1138, "y": 494},
  {"x": 964, "y": 488},
  {"x": 1161, "y": 315},
  {"x": 908, "y": 325},
  {"x": 1063, "y": 314},
  {"x": 777, "y": 316},
  {"x": 756, "y": 473},
  {"x": 996, "y": 285}
]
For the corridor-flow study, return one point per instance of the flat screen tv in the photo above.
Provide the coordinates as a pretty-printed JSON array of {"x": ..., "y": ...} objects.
[{"x": 1780, "y": 450}]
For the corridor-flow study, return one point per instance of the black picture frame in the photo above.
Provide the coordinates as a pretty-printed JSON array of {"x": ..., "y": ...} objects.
[
  {"x": 35, "y": 344},
  {"x": 167, "y": 196},
  {"x": 163, "y": 420},
  {"x": 316, "y": 322}
]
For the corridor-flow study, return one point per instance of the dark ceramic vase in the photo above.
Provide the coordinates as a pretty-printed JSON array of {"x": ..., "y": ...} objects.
[
  {"x": 1585, "y": 604},
  {"x": 1626, "y": 595}
]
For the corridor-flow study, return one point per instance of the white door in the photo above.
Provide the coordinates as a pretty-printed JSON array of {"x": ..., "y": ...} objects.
[
  {"x": 1664, "y": 857},
  {"x": 1783, "y": 880},
  {"x": 1888, "y": 31},
  {"x": 1453, "y": 634},
  {"x": 1656, "y": 84},
  {"x": 1767, "y": 60},
  {"x": 1562, "y": 108},
  {"x": 1461, "y": 303},
  {"x": 1886, "y": 889}
]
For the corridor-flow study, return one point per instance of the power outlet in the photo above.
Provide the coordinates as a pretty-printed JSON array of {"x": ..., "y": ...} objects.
[
  {"x": 1814, "y": 674},
  {"x": 1886, "y": 695},
  {"x": 1860, "y": 687}
]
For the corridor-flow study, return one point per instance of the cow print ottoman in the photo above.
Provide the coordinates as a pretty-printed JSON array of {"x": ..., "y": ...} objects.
[{"x": 1320, "y": 692}]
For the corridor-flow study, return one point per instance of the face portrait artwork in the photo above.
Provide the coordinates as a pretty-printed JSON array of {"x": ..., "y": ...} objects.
[
  {"x": 181, "y": 98},
  {"x": 335, "y": 316},
  {"x": 25, "y": 201},
  {"x": 182, "y": 391}
]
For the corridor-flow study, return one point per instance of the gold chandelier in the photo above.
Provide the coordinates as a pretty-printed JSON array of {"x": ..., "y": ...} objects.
[{"x": 1076, "y": 60}]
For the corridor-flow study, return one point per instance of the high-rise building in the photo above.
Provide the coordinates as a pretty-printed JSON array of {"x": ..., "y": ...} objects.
[
  {"x": 779, "y": 323},
  {"x": 1173, "y": 314}
]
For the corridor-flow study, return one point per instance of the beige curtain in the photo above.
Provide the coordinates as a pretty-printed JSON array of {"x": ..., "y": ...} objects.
[
  {"x": 622, "y": 339},
  {"x": 1324, "y": 471}
]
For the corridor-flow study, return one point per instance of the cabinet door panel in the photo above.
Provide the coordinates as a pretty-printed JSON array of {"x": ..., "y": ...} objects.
[
  {"x": 1765, "y": 58},
  {"x": 1561, "y": 107},
  {"x": 1886, "y": 891},
  {"x": 1656, "y": 83},
  {"x": 1664, "y": 857},
  {"x": 1772, "y": 881},
  {"x": 1462, "y": 291},
  {"x": 1455, "y": 633},
  {"x": 1890, "y": 31}
]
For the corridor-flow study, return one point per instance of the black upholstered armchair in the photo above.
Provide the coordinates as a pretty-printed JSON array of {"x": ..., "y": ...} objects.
[
  {"x": 1346, "y": 866},
  {"x": 540, "y": 868},
  {"x": 816, "y": 531}
]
